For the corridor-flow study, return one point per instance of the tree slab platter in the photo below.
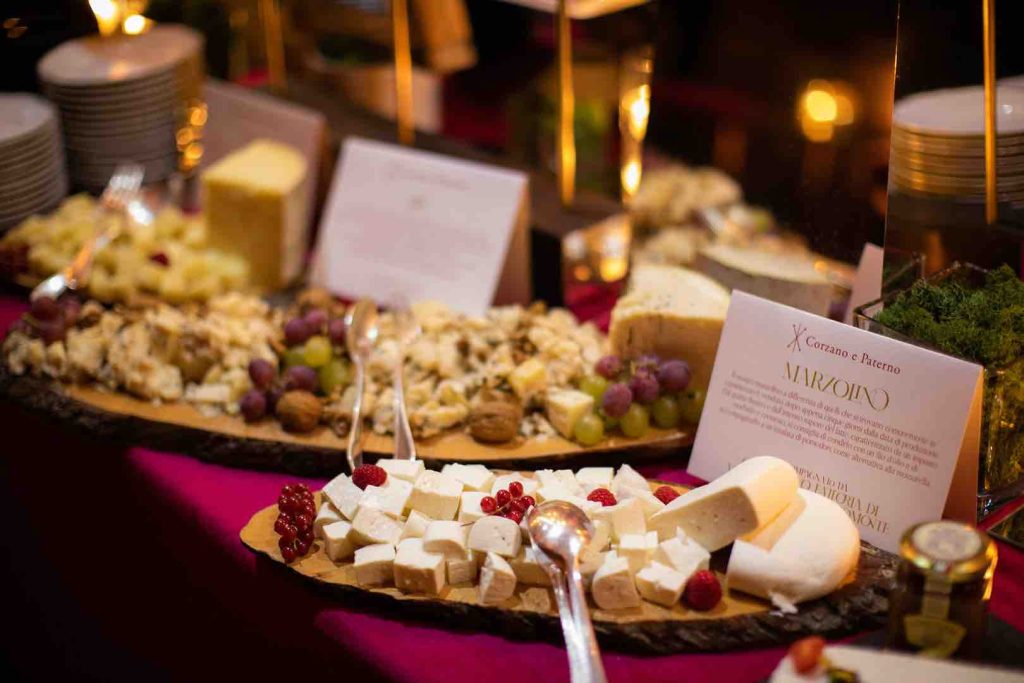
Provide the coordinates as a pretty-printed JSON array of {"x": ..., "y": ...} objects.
[
  {"x": 738, "y": 622},
  {"x": 229, "y": 440}
]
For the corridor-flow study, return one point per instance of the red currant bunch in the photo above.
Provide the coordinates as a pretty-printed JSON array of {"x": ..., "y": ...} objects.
[
  {"x": 509, "y": 502},
  {"x": 294, "y": 524}
]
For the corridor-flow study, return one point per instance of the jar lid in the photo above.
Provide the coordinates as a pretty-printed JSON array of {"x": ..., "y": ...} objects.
[{"x": 956, "y": 551}]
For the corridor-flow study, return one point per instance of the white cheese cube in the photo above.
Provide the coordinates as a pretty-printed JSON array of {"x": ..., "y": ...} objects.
[
  {"x": 743, "y": 499},
  {"x": 447, "y": 538},
  {"x": 528, "y": 570},
  {"x": 683, "y": 554},
  {"x": 637, "y": 549},
  {"x": 626, "y": 517},
  {"x": 327, "y": 514},
  {"x": 372, "y": 526},
  {"x": 627, "y": 476},
  {"x": 461, "y": 569},
  {"x": 660, "y": 584},
  {"x": 436, "y": 495},
  {"x": 469, "y": 506},
  {"x": 647, "y": 499},
  {"x": 407, "y": 470},
  {"x": 547, "y": 478},
  {"x": 473, "y": 477},
  {"x": 415, "y": 526},
  {"x": 392, "y": 498},
  {"x": 530, "y": 485},
  {"x": 589, "y": 565},
  {"x": 528, "y": 378},
  {"x": 344, "y": 495},
  {"x": 497, "y": 580},
  {"x": 601, "y": 538},
  {"x": 416, "y": 570},
  {"x": 554, "y": 491},
  {"x": 337, "y": 538},
  {"x": 374, "y": 564},
  {"x": 568, "y": 480},
  {"x": 495, "y": 534},
  {"x": 590, "y": 478},
  {"x": 613, "y": 586},
  {"x": 565, "y": 407}
]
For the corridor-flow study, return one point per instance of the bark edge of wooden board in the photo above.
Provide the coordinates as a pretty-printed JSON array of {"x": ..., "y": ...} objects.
[
  {"x": 228, "y": 440},
  {"x": 860, "y": 605}
]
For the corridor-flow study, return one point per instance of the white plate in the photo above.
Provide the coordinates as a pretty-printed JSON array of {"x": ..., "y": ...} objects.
[
  {"x": 23, "y": 116},
  {"x": 96, "y": 61},
  {"x": 959, "y": 111}
]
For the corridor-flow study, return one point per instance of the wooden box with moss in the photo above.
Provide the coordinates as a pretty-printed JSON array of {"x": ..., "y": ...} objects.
[{"x": 976, "y": 315}]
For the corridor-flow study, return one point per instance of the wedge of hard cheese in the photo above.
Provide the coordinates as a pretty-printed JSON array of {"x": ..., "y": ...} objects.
[
  {"x": 808, "y": 559},
  {"x": 742, "y": 500},
  {"x": 674, "y": 313},
  {"x": 788, "y": 277}
]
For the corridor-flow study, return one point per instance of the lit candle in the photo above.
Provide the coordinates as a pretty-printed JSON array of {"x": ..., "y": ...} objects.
[{"x": 108, "y": 16}]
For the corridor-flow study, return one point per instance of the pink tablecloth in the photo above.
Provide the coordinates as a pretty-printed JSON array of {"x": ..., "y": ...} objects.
[{"x": 126, "y": 562}]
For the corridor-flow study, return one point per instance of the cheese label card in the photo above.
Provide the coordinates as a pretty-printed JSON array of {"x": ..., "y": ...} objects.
[
  {"x": 867, "y": 283},
  {"x": 405, "y": 225},
  {"x": 875, "y": 424}
]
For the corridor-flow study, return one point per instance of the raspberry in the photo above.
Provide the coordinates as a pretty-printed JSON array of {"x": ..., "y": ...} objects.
[
  {"x": 702, "y": 591},
  {"x": 806, "y": 654},
  {"x": 602, "y": 496},
  {"x": 666, "y": 494},
  {"x": 369, "y": 475}
]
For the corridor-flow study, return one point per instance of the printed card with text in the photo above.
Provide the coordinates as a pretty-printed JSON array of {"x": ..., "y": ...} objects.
[
  {"x": 886, "y": 429},
  {"x": 403, "y": 225}
]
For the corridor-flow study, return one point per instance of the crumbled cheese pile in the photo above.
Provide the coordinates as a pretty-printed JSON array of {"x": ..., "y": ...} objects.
[{"x": 199, "y": 353}]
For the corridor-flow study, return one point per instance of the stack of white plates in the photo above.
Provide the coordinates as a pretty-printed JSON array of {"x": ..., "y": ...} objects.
[
  {"x": 938, "y": 143},
  {"x": 123, "y": 99},
  {"x": 32, "y": 175}
]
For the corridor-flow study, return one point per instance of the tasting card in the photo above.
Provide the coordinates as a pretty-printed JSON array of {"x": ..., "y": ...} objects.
[
  {"x": 406, "y": 225},
  {"x": 888, "y": 430}
]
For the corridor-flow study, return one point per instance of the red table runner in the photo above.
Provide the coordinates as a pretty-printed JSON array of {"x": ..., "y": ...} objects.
[{"x": 127, "y": 562}]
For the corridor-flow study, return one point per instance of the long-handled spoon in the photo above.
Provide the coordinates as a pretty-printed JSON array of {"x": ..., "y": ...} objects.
[{"x": 360, "y": 340}]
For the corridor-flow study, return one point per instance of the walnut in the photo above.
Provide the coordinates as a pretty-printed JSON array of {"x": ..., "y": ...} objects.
[
  {"x": 299, "y": 411},
  {"x": 496, "y": 418},
  {"x": 315, "y": 297}
]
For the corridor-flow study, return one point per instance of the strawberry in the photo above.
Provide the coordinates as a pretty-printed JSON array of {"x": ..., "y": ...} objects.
[
  {"x": 806, "y": 654},
  {"x": 702, "y": 591},
  {"x": 666, "y": 494}
]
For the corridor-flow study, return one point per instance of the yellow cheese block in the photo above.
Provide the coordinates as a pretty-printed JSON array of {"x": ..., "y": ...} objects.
[
  {"x": 255, "y": 207},
  {"x": 674, "y": 313}
]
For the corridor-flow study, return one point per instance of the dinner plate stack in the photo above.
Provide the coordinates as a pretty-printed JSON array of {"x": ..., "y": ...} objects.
[
  {"x": 32, "y": 175},
  {"x": 123, "y": 98},
  {"x": 938, "y": 143}
]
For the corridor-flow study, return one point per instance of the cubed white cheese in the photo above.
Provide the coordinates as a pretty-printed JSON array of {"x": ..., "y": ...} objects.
[
  {"x": 436, "y": 495},
  {"x": 495, "y": 534},
  {"x": 469, "y": 506},
  {"x": 337, "y": 538},
  {"x": 547, "y": 478},
  {"x": 344, "y": 495},
  {"x": 497, "y": 580},
  {"x": 647, "y": 499},
  {"x": 613, "y": 586},
  {"x": 568, "y": 480},
  {"x": 626, "y": 517},
  {"x": 627, "y": 476},
  {"x": 565, "y": 407},
  {"x": 530, "y": 484},
  {"x": 392, "y": 498},
  {"x": 683, "y": 554},
  {"x": 528, "y": 378},
  {"x": 743, "y": 499},
  {"x": 374, "y": 564},
  {"x": 416, "y": 570},
  {"x": 637, "y": 549},
  {"x": 327, "y": 514},
  {"x": 591, "y": 478},
  {"x": 415, "y": 526},
  {"x": 461, "y": 569},
  {"x": 373, "y": 526},
  {"x": 473, "y": 477},
  {"x": 601, "y": 538},
  {"x": 407, "y": 470},
  {"x": 446, "y": 537},
  {"x": 528, "y": 570},
  {"x": 660, "y": 584},
  {"x": 589, "y": 564},
  {"x": 555, "y": 491}
]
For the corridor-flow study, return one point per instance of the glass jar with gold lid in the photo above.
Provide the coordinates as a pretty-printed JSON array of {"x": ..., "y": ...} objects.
[{"x": 939, "y": 607}]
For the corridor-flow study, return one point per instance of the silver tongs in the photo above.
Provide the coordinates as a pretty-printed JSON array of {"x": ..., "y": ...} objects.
[{"x": 408, "y": 329}]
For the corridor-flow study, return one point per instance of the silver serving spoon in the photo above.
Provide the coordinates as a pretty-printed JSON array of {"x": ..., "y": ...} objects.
[
  {"x": 360, "y": 338},
  {"x": 408, "y": 331},
  {"x": 562, "y": 531},
  {"x": 565, "y": 616}
]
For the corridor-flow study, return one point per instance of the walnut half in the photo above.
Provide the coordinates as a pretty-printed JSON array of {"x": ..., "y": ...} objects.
[{"x": 495, "y": 418}]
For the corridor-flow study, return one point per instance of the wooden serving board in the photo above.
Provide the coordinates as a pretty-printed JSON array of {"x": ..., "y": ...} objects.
[
  {"x": 228, "y": 440},
  {"x": 738, "y": 622}
]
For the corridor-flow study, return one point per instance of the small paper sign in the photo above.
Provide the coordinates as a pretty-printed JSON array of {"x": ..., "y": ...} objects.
[
  {"x": 404, "y": 225},
  {"x": 867, "y": 283},
  {"x": 877, "y": 425}
]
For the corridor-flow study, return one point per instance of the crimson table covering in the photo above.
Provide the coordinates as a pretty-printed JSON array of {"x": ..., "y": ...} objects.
[{"x": 125, "y": 563}]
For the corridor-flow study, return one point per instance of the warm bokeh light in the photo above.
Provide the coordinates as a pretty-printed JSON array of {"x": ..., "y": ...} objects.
[
  {"x": 824, "y": 106},
  {"x": 630, "y": 175},
  {"x": 821, "y": 106},
  {"x": 614, "y": 268},
  {"x": 136, "y": 24},
  {"x": 636, "y": 106},
  {"x": 108, "y": 16}
]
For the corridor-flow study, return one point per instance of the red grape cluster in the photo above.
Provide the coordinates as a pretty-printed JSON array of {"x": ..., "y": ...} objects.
[
  {"x": 508, "y": 502},
  {"x": 49, "y": 319},
  {"x": 294, "y": 524}
]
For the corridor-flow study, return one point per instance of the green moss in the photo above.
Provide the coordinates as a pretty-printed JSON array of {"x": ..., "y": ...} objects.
[{"x": 984, "y": 324}]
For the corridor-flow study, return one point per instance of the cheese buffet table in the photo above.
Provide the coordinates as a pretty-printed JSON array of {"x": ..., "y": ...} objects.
[{"x": 124, "y": 563}]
